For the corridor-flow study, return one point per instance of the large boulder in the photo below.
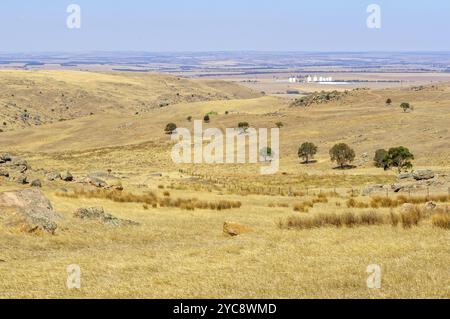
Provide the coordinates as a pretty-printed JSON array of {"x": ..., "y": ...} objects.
[
  {"x": 423, "y": 174},
  {"x": 29, "y": 210}
]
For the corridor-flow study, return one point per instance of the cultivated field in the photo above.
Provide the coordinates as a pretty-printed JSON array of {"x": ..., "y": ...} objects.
[{"x": 309, "y": 231}]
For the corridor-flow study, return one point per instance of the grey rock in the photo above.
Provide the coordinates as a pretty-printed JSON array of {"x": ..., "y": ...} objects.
[
  {"x": 97, "y": 182},
  {"x": 21, "y": 179},
  {"x": 36, "y": 183},
  {"x": 98, "y": 214},
  {"x": 66, "y": 176},
  {"x": 16, "y": 161},
  {"x": 5, "y": 157},
  {"x": 423, "y": 174},
  {"x": 4, "y": 173},
  {"x": 404, "y": 175}
]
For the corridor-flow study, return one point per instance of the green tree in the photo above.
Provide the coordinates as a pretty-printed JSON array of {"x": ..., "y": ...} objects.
[
  {"x": 342, "y": 154},
  {"x": 266, "y": 152},
  {"x": 307, "y": 151},
  {"x": 380, "y": 158},
  {"x": 170, "y": 128},
  {"x": 388, "y": 102},
  {"x": 405, "y": 106},
  {"x": 243, "y": 126},
  {"x": 206, "y": 118},
  {"x": 189, "y": 118},
  {"x": 279, "y": 124},
  {"x": 399, "y": 157}
]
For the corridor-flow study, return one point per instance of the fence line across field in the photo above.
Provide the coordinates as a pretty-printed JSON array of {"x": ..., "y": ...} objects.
[{"x": 307, "y": 191}]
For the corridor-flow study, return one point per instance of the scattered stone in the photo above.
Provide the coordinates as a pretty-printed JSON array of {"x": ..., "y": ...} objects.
[
  {"x": 5, "y": 157},
  {"x": 423, "y": 174},
  {"x": 52, "y": 176},
  {"x": 29, "y": 210},
  {"x": 97, "y": 213},
  {"x": 66, "y": 176},
  {"x": 16, "y": 161},
  {"x": 235, "y": 229},
  {"x": 21, "y": 179},
  {"x": 36, "y": 183},
  {"x": 4, "y": 173}
]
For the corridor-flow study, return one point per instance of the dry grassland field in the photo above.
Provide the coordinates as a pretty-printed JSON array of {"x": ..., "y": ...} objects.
[{"x": 87, "y": 179}]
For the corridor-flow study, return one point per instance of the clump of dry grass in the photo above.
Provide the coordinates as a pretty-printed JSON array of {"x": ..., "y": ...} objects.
[
  {"x": 377, "y": 201},
  {"x": 441, "y": 220},
  {"x": 150, "y": 198},
  {"x": 352, "y": 203},
  {"x": 273, "y": 205},
  {"x": 348, "y": 219},
  {"x": 303, "y": 207}
]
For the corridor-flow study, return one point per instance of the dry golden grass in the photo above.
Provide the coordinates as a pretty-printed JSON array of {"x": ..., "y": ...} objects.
[
  {"x": 180, "y": 253},
  {"x": 150, "y": 198}
]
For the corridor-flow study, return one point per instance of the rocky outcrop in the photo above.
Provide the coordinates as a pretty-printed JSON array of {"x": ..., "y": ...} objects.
[
  {"x": 423, "y": 174},
  {"x": 98, "y": 214}
]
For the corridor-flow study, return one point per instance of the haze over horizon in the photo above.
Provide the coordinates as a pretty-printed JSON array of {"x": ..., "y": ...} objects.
[{"x": 203, "y": 26}]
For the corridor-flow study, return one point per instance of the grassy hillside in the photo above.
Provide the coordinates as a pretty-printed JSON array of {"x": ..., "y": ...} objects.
[
  {"x": 179, "y": 250},
  {"x": 31, "y": 98}
]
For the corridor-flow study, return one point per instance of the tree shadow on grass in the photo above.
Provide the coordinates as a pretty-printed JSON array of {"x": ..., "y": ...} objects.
[
  {"x": 344, "y": 167},
  {"x": 308, "y": 162}
]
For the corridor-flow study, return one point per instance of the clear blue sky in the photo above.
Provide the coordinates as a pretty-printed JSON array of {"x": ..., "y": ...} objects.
[{"x": 211, "y": 25}]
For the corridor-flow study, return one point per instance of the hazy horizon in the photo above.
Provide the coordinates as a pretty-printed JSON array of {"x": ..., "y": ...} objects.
[{"x": 204, "y": 26}]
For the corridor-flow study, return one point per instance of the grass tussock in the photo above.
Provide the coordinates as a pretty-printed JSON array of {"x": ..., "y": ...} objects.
[
  {"x": 348, "y": 219},
  {"x": 303, "y": 207},
  {"x": 151, "y": 199},
  {"x": 441, "y": 220}
]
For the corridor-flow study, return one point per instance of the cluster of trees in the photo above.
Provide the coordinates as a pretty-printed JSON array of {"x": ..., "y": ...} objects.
[
  {"x": 397, "y": 157},
  {"x": 340, "y": 153}
]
